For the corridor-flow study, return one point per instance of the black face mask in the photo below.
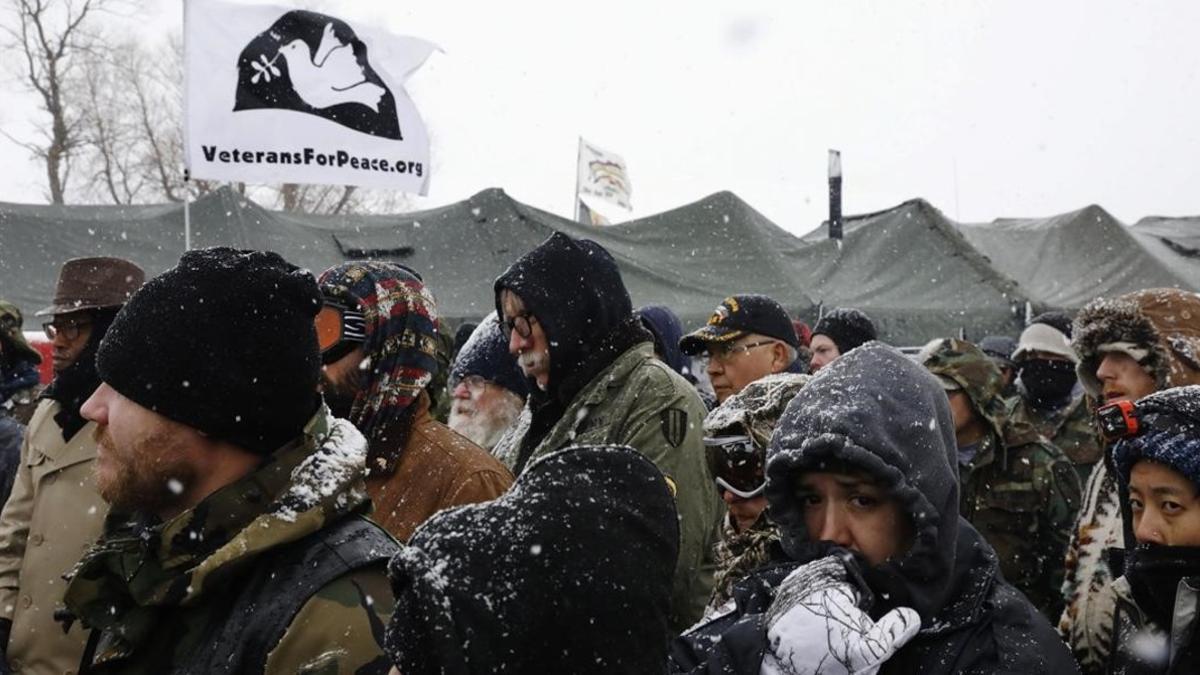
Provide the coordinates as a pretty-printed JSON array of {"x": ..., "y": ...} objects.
[
  {"x": 1154, "y": 571},
  {"x": 1048, "y": 383}
]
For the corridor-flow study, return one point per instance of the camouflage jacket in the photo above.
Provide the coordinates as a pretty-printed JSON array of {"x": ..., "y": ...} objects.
[
  {"x": 640, "y": 402},
  {"x": 1019, "y": 491},
  {"x": 1022, "y": 494},
  {"x": 1071, "y": 429},
  {"x": 160, "y": 597}
]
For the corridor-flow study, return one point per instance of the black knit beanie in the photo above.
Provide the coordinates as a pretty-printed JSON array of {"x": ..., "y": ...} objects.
[
  {"x": 223, "y": 342},
  {"x": 848, "y": 328}
]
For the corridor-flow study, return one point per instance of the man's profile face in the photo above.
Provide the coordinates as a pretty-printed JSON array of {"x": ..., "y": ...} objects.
[
  {"x": 532, "y": 350},
  {"x": 824, "y": 352},
  {"x": 482, "y": 410},
  {"x": 734, "y": 365},
  {"x": 854, "y": 512},
  {"x": 1123, "y": 379},
  {"x": 342, "y": 380},
  {"x": 1164, "y": 505},
  {"x": 960, "y": 408},
  {"x": 71, "y": 334},
  {"x": 144, "y": 461}
]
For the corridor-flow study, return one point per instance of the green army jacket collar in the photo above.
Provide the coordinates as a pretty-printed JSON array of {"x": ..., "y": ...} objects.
[
  {"x": 593, "y": 395},
  {"x": 141, "y": 567}
]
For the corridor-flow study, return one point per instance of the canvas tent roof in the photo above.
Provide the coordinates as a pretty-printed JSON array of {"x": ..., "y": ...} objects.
[
  {"x": 1175, "y": 242},
  {"x": 912, "y": 272},
  {"x": 1067, "y": 260},
  {"x": 688, "y": 258}
]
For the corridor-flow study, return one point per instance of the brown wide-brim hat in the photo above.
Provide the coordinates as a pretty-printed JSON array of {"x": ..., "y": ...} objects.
[{"x": 94, "y": 283}]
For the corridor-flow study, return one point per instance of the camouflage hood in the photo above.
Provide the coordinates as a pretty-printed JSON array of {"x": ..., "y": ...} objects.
[
  {"x": 974, "y": 372},
  {"x": 141, "y": 569},
  {"x": 755, "y": 409},
  {"x": 1165, "y": 321},
  {"x": 10, "y": 331}
]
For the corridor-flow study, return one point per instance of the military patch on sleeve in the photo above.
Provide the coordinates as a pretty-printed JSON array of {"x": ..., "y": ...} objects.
[
  {"x": 674, "y": 426},
  {"x": 671, "y": 485}
]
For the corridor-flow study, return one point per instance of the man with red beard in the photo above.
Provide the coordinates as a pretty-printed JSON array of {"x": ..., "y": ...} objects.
[
  {"x": 54, "y": 511},
  {"x": 487, "y": 386},
  {"x": 237, "y": 542},
  {"x": 379, "y": 340},
  {"x": 1128, "y": 347}
]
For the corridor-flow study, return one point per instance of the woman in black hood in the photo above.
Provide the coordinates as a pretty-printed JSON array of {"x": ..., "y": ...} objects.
[{"x": 876, "y": 419}]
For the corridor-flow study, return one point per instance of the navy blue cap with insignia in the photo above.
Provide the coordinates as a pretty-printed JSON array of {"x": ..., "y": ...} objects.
[{"x": 741, "y": 315}]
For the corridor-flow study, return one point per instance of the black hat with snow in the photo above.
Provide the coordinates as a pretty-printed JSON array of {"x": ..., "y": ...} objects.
[
  {"x": 485, "y": 353},
  {"x": 223, "y": 342},
  {"x": 847, "y": 327},
  {"x": 568, "y": 572}
]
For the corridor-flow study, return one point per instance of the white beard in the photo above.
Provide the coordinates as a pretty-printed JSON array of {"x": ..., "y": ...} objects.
[
  {"x": 481, "y": 428},
  {"x": 531, "y": 361}
]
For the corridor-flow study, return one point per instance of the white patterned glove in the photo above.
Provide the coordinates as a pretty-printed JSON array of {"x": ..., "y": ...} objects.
[{"x": 815, "y": 625}]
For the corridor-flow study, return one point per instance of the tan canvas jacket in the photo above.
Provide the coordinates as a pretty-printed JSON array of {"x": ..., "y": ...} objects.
[{"x": 51, "y": 518}]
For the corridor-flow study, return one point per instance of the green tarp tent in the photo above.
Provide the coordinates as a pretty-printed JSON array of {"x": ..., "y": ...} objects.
[
  {"x": 912, "y": 272},
  {"x": 1175, "y": 242},
  {"x": 689, "y": 258},
  {"x": 1067, "y": 260}
]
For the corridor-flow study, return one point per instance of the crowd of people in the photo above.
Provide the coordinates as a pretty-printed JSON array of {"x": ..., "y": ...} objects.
[{"x": 243, "y": 467}]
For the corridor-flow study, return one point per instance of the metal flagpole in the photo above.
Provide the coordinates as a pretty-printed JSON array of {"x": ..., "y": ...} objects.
[
  {"x": 187, "y": 211},
  {"x": 187, "y": 172},
  {"x": 578, "y": 202}
]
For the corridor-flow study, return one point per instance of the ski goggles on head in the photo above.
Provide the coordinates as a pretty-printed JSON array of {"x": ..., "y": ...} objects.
[
  {"x": 736, "y": 464},
  {"x": 339, "y": 330}
]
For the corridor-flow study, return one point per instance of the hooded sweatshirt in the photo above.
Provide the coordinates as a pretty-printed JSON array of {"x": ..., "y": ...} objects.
[
  {"x": 880, "y": 412},
  {"x": 1166, "y": 322},
  {"x": 575, "y": 290},
  {"x": 568, "y": 572},
  {"x": 667, "y": 330}
]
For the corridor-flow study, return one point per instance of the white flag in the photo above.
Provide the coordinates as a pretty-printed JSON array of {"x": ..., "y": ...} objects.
[
  {"x": 602, "y": 175},
  {"x": 274, "y": 95}
]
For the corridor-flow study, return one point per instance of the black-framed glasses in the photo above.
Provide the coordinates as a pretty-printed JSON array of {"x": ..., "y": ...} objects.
[
  {"x": 521, "y": 323},
  {"x": 723, "y": 353},
  {"x": 68, "y": 329},
  {"x": 737, "y": 464}
]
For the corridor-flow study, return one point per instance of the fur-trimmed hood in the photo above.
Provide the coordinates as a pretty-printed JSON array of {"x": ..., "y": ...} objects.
[{"x": 1164, "y": 320}]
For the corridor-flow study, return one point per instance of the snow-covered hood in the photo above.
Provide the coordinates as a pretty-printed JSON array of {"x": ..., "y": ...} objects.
[
  {"x": 876, "y": 409},
  {"x": 569, "y": 571}
]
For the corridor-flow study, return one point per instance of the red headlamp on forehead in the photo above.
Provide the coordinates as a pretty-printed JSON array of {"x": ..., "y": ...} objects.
[{"x": 1118, "y": 420}]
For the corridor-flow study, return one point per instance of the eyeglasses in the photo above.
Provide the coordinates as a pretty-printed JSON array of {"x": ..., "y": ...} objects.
[
  {"x": 736, "y": 464},
  {"x": 522, "y": 324},
  {"x": 475, "y": 383},
  {"x": 723, "y": 353},
  {"x": 337, "y": 324},
  {"x": 68, "y": 329}
]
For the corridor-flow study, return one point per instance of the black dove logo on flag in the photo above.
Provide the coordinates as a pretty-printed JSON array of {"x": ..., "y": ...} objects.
[{"x": 315, "y": 64}]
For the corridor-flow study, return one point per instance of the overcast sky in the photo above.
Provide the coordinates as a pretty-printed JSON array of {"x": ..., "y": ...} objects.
[{"x": 1005, "y": 108}]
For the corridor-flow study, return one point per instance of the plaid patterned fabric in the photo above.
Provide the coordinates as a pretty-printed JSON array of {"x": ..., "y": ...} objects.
[{"x": 401, "y": 337}]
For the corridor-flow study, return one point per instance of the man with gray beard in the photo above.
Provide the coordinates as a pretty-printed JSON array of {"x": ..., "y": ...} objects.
[{"x": 487, "y": 386}]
